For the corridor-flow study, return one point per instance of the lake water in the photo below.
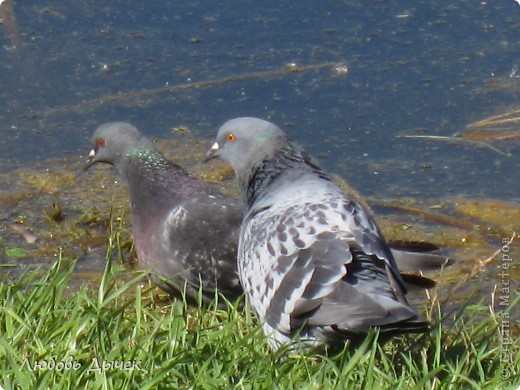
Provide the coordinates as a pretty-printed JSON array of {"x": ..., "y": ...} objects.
[
  {"x": 378, "y": 70},
  {"x": 414, "y": 67}
]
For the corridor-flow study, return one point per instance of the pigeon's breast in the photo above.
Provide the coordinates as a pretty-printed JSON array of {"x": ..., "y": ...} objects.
[{"x": 278, "y": 232}]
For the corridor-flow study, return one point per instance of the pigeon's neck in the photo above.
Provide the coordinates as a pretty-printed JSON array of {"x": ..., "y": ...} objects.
[
  {"x": 150, "y": 175},
  {"x": 288, "y": 162}
]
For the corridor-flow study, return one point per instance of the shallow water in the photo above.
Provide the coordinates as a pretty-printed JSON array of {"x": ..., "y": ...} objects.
[{"x": 378, "y": 71}]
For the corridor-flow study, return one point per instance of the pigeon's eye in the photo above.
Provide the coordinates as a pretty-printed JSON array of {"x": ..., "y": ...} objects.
[
  {"x": 231, "y": 137},
  {"x": 101, "y": 143}
]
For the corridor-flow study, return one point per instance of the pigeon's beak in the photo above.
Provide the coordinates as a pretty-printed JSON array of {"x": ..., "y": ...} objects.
[
  {"x": 91, "y": 159},
  {"x": 212, "y": 152}
]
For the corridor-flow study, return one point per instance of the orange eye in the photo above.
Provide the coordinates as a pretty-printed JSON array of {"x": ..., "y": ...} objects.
[
  {"x": 231, "y": 137},
  {"x": 101, "y": 143}
]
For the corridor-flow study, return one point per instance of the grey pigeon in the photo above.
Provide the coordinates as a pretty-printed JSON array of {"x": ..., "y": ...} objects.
[
  {"x": 183, "y": 233},
  {"x": 204, "y": 245},
  {"x": 311, "y": 260}
]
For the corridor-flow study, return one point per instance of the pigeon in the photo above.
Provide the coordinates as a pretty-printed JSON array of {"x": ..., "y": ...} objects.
[
  {"x": 314, "y": 265},
  {"x": 173, "y": 213},
  {"x": 184, "y": 233}
]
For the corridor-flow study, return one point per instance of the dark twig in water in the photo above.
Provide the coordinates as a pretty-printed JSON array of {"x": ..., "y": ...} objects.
[
  {"x": 460, "y": 138},
  {"x": 427, "y": 215},
  {"x": 129, "y": 97}
]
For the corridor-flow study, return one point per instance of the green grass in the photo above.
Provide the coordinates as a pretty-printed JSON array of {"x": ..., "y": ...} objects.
[{"x": 168, "y": 345}]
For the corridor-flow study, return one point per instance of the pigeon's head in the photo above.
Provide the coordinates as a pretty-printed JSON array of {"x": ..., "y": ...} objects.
[
  {"x": 112, "y": 141},
  {"x": 245, "y": 142}
]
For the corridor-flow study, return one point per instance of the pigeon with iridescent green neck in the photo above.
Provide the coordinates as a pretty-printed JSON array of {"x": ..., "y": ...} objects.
[{"x": 185, "y": 234}]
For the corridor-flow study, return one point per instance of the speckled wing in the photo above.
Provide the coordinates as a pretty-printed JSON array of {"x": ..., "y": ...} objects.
[
  {"x": 203, "y": 232},
  {"x": 318, "y": 263}
]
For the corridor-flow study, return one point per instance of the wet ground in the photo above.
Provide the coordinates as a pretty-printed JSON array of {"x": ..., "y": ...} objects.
[{"x": 414, "y": 103}]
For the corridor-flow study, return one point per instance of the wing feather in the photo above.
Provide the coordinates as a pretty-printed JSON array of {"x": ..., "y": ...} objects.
[{"x": 309, "y": 263}]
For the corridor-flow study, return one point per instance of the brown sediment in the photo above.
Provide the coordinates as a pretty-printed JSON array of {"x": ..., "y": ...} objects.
[
  {"x": 489, "y": 135},
  {"x": 498, "y": 213},
  {"x": 503, "y": 127},
  {"x": 436, "y": 218},
  {"x": 480, "y": 265},
  {"x": 506, "y": 119},
  {"x": 9, "y": 22},
  {"x": 508, "y": 83}
]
